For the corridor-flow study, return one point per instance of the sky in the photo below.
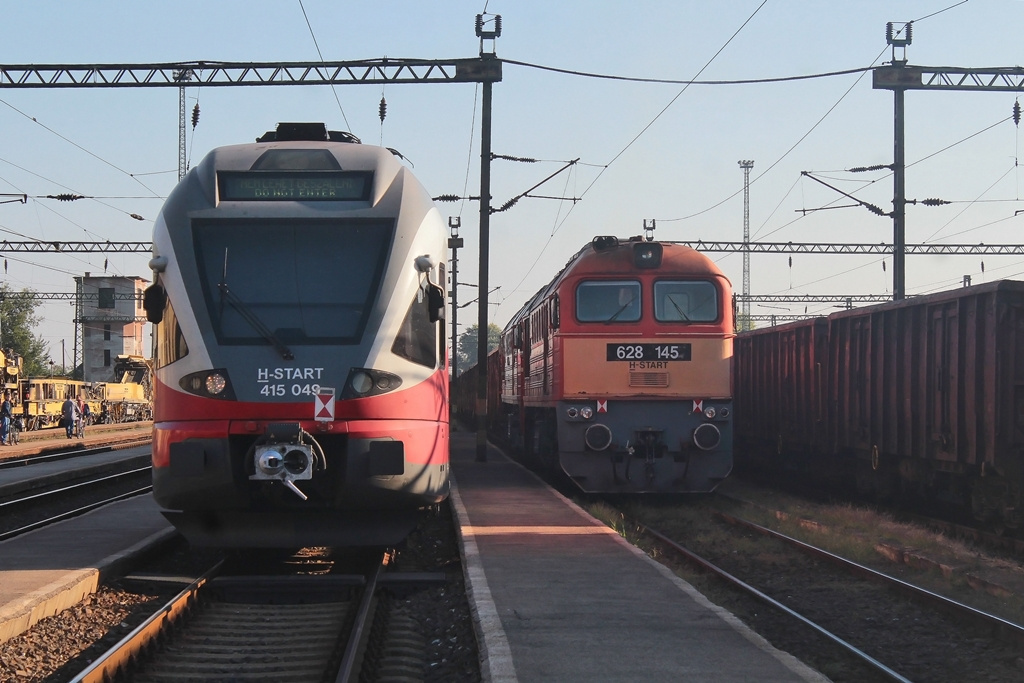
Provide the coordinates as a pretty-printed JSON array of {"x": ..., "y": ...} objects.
[{"x": 647, "y": 151}]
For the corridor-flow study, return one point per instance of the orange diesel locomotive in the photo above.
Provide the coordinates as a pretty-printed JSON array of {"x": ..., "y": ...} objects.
[{"x": 619, "y": 371}]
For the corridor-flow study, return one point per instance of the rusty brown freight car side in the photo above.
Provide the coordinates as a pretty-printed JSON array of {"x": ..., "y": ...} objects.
[
  {"x": 929, "y": 396},
  {"x": 463, "y": 392},
  {"x": 923, "y": 397},
  {"x": 780, "y": 394}
]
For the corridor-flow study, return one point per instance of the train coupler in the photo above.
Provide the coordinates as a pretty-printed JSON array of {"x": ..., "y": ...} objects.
[{"x": 282, "y": 454}]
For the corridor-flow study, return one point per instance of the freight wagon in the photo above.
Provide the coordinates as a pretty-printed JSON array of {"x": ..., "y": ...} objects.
[{"x": 917, "y": 399}]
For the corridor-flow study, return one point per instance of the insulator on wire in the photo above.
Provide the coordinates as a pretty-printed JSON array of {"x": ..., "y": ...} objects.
[
  {"x": 507, "y": 205},
  {"x": 5, "y": 266},
  {"x": 65, "y": 197},
  {"x": 934, "y": 202},
  {"x": 790, "y": 261},
  {"x": 1016, "y": 112},
  {"x": 105, "y": 262},
  {"x": 883, "y": 266},
  {"x": 983, "y": 266},
  {"x": 136, "y": 216},
  {"x": 195, "y": 115},
  {"x": 383, "y": 109},
  {"x": 447, "y": 198}
]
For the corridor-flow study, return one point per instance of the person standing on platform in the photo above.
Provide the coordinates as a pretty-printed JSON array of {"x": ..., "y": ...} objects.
[
  {"x": 67, "y": 416},
  {"x": 6, "y": 416},
  {"x": 80, "y": 417},
  {"x": 86, "y": 414}
]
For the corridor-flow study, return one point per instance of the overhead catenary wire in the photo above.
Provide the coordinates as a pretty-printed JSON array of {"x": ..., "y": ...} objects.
[
  {"x": 78, "y": 146},
  {"x": 321, "y": 56},
  {"x": 665, "y": 108}
]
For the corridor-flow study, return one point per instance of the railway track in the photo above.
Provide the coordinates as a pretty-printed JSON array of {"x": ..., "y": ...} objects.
[
  {"x": 36, "y": 503},
  {"x": 848, "y": 626},
  {"x": 417, "y": 626},
  {"x": 1004, "y": 629},
  {"x": 294, "y": 624}
]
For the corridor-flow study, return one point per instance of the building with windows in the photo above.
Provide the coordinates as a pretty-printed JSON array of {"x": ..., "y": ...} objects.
[{"x": 110, "y": 319}]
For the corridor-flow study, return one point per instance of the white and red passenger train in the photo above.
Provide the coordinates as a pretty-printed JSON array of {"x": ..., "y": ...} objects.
[
  {"x": 619, "y": 371},
  {"x": 301, "y": 393}
]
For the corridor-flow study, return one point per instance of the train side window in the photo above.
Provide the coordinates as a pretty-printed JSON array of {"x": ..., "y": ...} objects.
[
  {"x": 527, "y": 346},
  {"x": 605, "y": 301},
  {"x": 169, "y": 342},
  {"x": 694, "y": 301},
  {"x": 554, "y": 312},
  {"x": 417, "y": 338}
]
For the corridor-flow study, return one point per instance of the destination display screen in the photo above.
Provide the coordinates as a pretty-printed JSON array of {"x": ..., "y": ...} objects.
[
  {"x": 649, "y": 352},
  {"x": 301, "y": 186}
]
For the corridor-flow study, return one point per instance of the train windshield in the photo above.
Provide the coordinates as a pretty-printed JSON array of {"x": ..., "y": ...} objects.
[
  {"x": 288, "y": 282},
  {"x": 685, "y": 301},
  {"x": 607, "y": 301}
]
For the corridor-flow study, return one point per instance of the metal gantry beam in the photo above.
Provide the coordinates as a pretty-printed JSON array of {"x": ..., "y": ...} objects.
[
  {"x": 816, "y": 298},
  {"x": 44, "y": 246},
  {"x": 827, "y": 248},
  {"x": 908, "y": 77},
  {"x": 41, "y": 246},
  {"x": 70, "y": 296},
  {"x": 212, "y": 74}
]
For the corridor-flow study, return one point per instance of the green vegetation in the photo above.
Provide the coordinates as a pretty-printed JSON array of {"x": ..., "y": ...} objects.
[
  {"x": 17, "y": 320},
  {"x": 468, "y": 345}
]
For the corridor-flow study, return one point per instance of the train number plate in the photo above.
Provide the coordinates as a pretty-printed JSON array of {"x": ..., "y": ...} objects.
[{"x": 648, "y": 352}]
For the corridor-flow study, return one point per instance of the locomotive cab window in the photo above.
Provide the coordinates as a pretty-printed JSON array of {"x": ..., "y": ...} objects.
[
  {"x": 607, "y": 301},
  {"x": 685, "y": 301}
]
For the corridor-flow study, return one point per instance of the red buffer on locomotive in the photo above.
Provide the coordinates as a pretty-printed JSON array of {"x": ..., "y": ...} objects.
[{"x": 619, "y": 371}]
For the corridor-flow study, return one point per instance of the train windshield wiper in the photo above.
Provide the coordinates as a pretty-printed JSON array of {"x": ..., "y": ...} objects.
[
  {"x": 254, "y": 320},
  {"x": 682, "y": 315},
  {"x": 617, "y": 313},
  {"x": 247, "y": 313}
]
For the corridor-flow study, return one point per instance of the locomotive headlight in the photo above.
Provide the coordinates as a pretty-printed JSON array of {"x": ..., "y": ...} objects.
[
  {"x": 366, "y": 382},
  {"x": 361, "y": 382},
  {"x": 572, "y": 412},
  {"x": 647, "y": 255},
  {"x": 710, "y": 412},
  {"x": 586, "y": 412},
  {"x": 209, "y": 384},
  {"x": 215, "y": 384}
]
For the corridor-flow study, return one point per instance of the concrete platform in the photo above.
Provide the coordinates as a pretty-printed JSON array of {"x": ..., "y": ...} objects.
[
  {"x": 561, "y": 597},
  {"x": 47, "y": 570}
]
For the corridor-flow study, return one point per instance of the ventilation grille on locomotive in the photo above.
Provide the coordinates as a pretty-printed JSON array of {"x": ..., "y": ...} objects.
[{"x": 648, "y": 379}]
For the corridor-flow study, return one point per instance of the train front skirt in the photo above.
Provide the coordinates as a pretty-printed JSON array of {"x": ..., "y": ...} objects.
[{"x": 645, "y": 446}]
